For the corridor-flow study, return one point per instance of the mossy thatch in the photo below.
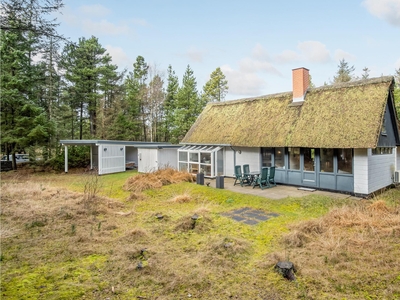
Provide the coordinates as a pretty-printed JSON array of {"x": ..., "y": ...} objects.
[{"x": 340, "y": 116}]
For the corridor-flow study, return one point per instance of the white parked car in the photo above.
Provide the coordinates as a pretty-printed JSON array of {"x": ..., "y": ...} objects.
[{"x": 19, "y": 158}]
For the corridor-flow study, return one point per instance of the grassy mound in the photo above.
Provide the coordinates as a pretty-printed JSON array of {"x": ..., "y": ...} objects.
[{"x": 157, "y": 179}]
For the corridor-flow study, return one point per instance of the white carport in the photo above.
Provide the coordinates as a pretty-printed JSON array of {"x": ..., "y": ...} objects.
[{"x": 111, "y": 156}]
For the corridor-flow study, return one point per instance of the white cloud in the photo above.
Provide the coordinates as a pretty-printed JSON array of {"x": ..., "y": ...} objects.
[
  {"x": 141, "y": 22},
  {"x": 340, "y": 54},
  {"x": 388, "y": 10},
  {"x": 241, "y": 83},
  {"x": 251, "y": 65},
  {"x": 308, "y": 51},
  {"x": 91, "y": 20},
  {"x": 288, "y": 56},
  {"x": 259, "y": 61},
  {"x": 96, "y": 10},
  {"x": 119, "y": 57},
  {"x": 195, "y": 54},
  {"x": 314, "y": 51},
  {"x": 397, "y": 64},
  {"x": 260, "y": 53},
  {"x": 104, "y": 27}
]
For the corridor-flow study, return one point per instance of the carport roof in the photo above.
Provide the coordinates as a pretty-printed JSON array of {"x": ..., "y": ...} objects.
[{"x": 110, "y": 142}]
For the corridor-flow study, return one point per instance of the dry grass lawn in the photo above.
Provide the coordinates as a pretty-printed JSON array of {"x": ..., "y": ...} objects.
[{"x": 61, "y": 243}]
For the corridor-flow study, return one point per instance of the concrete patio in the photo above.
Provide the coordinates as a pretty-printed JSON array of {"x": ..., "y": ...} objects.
[{"x": 277, "y": 192}]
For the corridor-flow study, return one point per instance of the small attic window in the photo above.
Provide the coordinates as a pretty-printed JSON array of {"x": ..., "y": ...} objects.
[{"x": 383, "y": 130}]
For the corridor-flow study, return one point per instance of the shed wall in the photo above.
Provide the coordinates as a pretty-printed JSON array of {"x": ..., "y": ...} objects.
[
  {"x": 111, "y": 159},
  {"x": 168, "y": 157},
  {"x": 148, "y": 160}
]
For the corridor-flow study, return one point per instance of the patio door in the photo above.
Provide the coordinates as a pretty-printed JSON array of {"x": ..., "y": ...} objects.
[{"x": 309, "y": 176}]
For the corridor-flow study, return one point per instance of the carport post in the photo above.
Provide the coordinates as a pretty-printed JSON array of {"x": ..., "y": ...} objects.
[
  {"x": 91, "y": 157},
  {"x": 66, "y": 158}
]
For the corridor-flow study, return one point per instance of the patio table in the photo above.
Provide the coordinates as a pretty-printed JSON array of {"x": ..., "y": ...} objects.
[{"x": 253, "y": 176}]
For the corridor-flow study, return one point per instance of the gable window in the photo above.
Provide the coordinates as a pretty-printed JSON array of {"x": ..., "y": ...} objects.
[{"x": 382, "y": 150}]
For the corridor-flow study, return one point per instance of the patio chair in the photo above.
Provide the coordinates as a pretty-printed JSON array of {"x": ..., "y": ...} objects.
[
  {"x": 238, "y": 175},
  {"x": 246, "y": 174},
  {"x": 271, "y": 176},
  {"x": 262, "y": 180}
]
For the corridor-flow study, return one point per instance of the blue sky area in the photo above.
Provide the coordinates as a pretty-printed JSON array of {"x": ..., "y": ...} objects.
[{"x": 256, "y": 43}]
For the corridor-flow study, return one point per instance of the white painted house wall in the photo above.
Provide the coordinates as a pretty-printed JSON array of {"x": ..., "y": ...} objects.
[
  {"x": 247, "y": 155},
  {"x": 360, "y": 163},
  {"x": 380, "y": 170},
  {"x": 111, "y": 160},
  {"x": 229, "y": 169}
]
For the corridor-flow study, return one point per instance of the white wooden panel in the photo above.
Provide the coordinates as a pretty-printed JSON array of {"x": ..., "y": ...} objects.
[
  {"x": 111, "y": 158},
  {"x": 380, "y": 171},
  {"x": 360, "y": 161},
  {"x": 229, "y": 162},
  {"x": 168, "y": 157},
  {"x": 148, "y": 160}
]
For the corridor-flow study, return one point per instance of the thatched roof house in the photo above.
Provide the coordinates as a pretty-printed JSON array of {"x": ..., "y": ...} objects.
[
  {"x": 348, "y": 115},
  {"x": 342, "y": 137}
]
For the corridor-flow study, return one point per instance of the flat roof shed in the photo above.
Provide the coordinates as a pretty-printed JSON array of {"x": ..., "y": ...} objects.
[{"x": 110, "y": 156}]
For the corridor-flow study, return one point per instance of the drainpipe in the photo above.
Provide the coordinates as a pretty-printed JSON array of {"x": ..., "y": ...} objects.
[{"x": 234, "y": 157}]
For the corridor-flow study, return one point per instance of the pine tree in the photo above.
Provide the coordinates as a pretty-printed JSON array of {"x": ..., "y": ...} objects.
[
  {"x": 23, "y": 122},
  {"x": 188, "y": 105},
  {"x": 216, "y": 88},
  {"x": 85, "y": 64},
  {"x": 344, "y": 73},
  {"x": 140, "y": 74},
  {"x": 170, "y": 103},
  {"x": 365, "y": 74}
]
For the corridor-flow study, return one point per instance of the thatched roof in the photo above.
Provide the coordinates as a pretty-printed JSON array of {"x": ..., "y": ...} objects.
[{"x": 339, "y": 116}]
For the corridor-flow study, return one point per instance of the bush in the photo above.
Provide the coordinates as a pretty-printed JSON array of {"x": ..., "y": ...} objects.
[{"x": 78, "y": 157}]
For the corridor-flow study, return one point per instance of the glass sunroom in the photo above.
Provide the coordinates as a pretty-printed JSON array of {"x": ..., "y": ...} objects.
[{"x": 201, "y": 159}]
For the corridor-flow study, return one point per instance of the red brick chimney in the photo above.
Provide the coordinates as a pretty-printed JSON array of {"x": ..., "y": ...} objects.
[{"x": 301, "y": 81}]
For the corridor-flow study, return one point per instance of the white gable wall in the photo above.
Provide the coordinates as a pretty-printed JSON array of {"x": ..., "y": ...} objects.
[
  {"x": 380, "y": 170},
  {"x": 247, "y": 155}
]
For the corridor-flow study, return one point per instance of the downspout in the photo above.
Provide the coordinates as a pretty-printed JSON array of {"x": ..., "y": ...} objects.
[{"x": 234, "y": 157}]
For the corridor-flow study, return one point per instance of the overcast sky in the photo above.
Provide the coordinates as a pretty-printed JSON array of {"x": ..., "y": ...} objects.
[{"x": 256, "y": 43}]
